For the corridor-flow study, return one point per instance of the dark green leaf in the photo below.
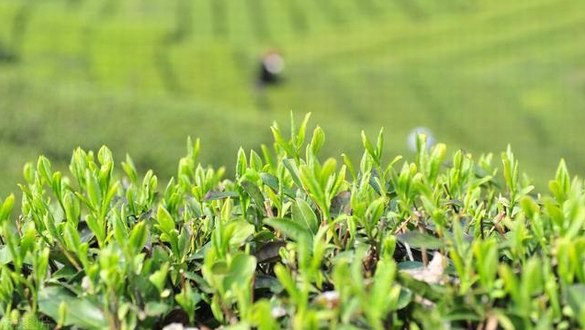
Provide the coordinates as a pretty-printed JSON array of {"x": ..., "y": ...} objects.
[
  {"x": 431, "y": 292},
  {"x": 462, "y": 314},
  {"x": 304, "y": 215},
  {"x": 419, "y": 240},
  {"x": 291, "y": 229},
  {"x": 270, "y": 180},
  {"x": 410, "y": 265},
  {"x": 216, "y": 195},
  {"x": 269, "y": 252},
  {"x": 65, "y": 272},
  {"x": 341, "y": 203},
  {"x": 267, "y": 283},
  {"x": 255, "y": 193},
  {"x": 80, "y": 312},
  {"x": 404, "y": 299}
]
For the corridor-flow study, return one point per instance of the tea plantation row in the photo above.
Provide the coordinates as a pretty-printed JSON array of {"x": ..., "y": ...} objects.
[
  {"x": 294, "y": 241},
  {"x": 479, "y": 74}
]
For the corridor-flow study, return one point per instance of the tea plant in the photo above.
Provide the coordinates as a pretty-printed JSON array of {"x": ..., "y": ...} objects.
[{"x": 294, "y": 241}]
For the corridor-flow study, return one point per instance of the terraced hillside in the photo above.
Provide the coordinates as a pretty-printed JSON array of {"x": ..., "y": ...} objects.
[{"x": 142, "y": 75}]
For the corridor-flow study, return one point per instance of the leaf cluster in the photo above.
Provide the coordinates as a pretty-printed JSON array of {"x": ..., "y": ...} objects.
[{"x": 294, "y": 241}]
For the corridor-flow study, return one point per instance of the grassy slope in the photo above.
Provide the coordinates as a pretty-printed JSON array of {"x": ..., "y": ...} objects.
[{"x": 142, "y": 75}]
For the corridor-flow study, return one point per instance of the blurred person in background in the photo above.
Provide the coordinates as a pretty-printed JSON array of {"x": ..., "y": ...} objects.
[
  {"x": 269, "y": 74},
  {"x": 271, "y": 67}
]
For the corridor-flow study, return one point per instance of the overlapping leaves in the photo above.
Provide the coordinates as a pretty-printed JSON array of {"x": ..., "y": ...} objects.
[{"x": 294, "y": 241}]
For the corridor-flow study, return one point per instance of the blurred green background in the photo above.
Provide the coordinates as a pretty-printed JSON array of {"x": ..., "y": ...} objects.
[{"x": 142, "y": 75}]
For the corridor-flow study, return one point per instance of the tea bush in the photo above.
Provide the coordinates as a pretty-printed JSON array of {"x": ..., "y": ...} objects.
[
  {"x": 111, "y": 66},
  {"x": 294, "y": 242}
]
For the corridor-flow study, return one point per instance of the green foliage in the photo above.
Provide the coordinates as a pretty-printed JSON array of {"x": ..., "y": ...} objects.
[
  {"x": 294, "y": 242},
  {"x": 110, "y": 67}
]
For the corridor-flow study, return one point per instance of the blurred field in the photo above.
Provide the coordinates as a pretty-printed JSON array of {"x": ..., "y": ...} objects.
[{"x": 140, "y": 76}]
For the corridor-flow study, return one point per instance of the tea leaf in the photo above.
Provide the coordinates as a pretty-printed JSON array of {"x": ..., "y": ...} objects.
[
  {"x": 419, "y": 240},
  {"x": 291, "y": 229},
  {"x": 80, "y": 312},
  {"x": 303, "y": 214}
]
